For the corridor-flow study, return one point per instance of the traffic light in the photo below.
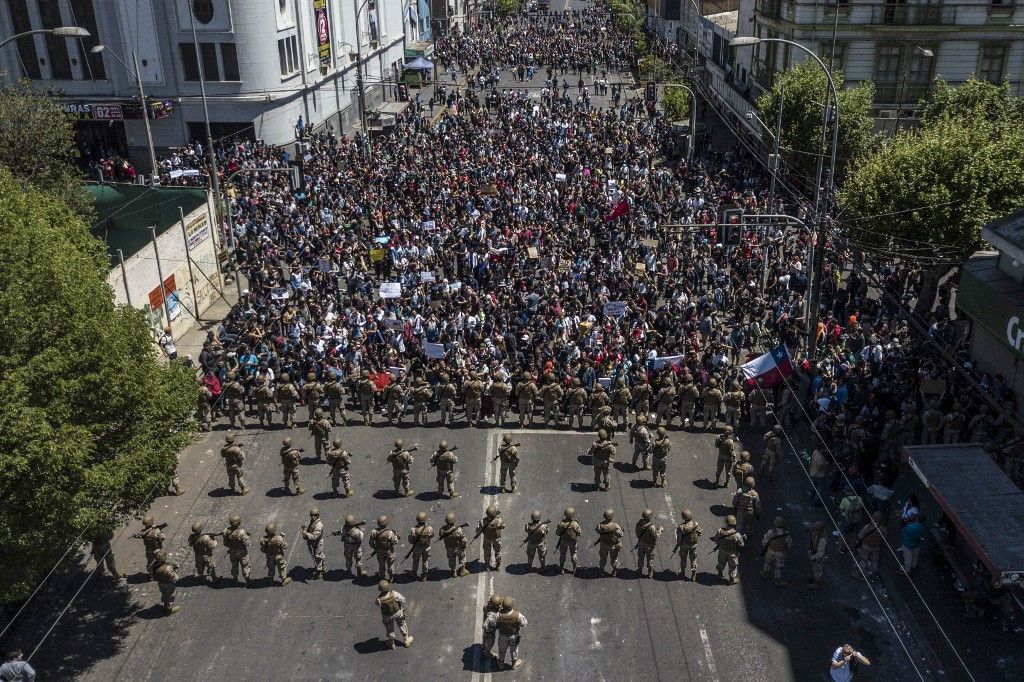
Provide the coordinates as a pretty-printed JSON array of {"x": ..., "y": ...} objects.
[{"x": 651, "y": 93}]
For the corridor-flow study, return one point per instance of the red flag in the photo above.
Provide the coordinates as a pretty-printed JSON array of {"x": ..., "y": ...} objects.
[{"x": 621, "y": 209}]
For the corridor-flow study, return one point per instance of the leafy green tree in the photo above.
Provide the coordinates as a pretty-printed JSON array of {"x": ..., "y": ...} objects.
[
  {"x": 972, "y": 100},
  {"x": 90, "y": 421},
  {"x": 924, "y": 196},
  {"x": 676, "y": 103},
  {"x": 509, "y": 6},
  {"x": 37, "y": 139},
  {"x": 805, "y": 88}
]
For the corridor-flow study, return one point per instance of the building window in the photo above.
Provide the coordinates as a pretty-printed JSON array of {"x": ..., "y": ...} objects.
[
  {"x": 56, "y": 47},
  {"x": 84, "y": 14},
  {"x": 190, "y": 66},
  {"x": 229, "y": 56},
  {"x": 208, "y": 52},
  {"x": 992, "y": 62},
  {"x": 202, "y": 10},
  {"x": 288, "y": 54},
  {"x": 839, "y": 63},
  {"x": 27, "y": 45}
]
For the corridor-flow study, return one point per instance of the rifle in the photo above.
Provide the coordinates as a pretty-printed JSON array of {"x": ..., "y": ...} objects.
[
  {"x": 601, "y": 535},
  {"x": 480, "y": 532},
  {"x": 674, "y": 550},
  {"x": 159, "y": 525},
  {"x": 355, "y": 525},
  {"x": 498, "y": 456},
  {"x": 764, "y": 548},
  {"x": 442, "y": 536},
  {"x": 528, "y": 536}
]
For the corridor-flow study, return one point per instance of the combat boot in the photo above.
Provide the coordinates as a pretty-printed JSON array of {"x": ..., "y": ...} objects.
[
  {"x": 174, "y": 608},
  {"x": 299, "y": 490},
  {"x": 243, "y": 491},
  {"x": 285, "y": 580},
  {"x": 408, "y": 642},
  {"x": 515, "y": 664},
  {"x": 391, "y": 644},
  {"x": 463, "y": 571}
]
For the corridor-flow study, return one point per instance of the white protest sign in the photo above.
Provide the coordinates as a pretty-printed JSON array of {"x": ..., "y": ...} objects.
[
  {"x": 390, "y": 290},
  {"x": 605, "y": 381},
  {"x": 427, "y": 276},
  {"x": 434, "y": 350},
  {"x": 615, "y": 309},
  {"x": 673, "y": 360},
  {"x": 428, "y": 225}
]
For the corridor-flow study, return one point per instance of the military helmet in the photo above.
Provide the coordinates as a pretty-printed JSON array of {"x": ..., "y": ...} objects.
[
  {"x": 271, "y": 529},
  {"x": 311, "y": 376},
  {"x": 235, "y": 521},
  {"x": 318, "y": 412},
  {"x": 382, "y": 521},
  {"x": 495, "y": 600},
  {"x": 445, "y": 377},
  {"x": 712, "y": 382},
  {"x": 818, "y": 525},
  {"x": 450, "y": 517},
  {"x": 287, "y": 442},
  {"x": 777, "y": 429},
  {"x": 508, "y": 603},
  {"x": 420, "y": 381},
  {"x": 443, "y": 445},
  {"x": 749, "y": 481},
  {"x": 687, "y": 514},
  {"x": 284, "y": 377},
  {"x": 160, "y": 555},
  {"x": 232, "y": 375},
  {"x": 728, "y": 430},
  {"x": 197, "y": 526},
  {"x": 730, "y": 520},
  {"x": 605, "y": 409},
  {"x": 569, "y": 512},
  {"x": 608, "y": 514},
  {"x": 336, "y": 442},
  {"x": 735, "y": 384},
  {"x": 779, "y": 522},
  {"x": 350, "y": 519},
  {"x": 399, "y": 443},
  {"x": 314, "y": 511},
  {"x": 641, "y": 419},
  {"x": 148, "y": 520},
  {"x": 472, "y": 374},
  {"x": 647, "y": 514},
  {"x": 621, "y": 381},
  {"x": 229, "y": 439},
  {"x": 602, "y": 434},
  {"x": 599, "y": 388},
  {"x": 535, "y": 515},
  {"x": 384, "y": 586},
  {"x": 662, "y": 432},
  {"x": 365, "y": 374},
  {"x": 421, "y": 517},
  {"x": 526, "y": 376},
  {"x": 491, "y": 511},
  {"x": 745, "y": 456},
  {"x": 576, "y": 382},
  {"x": 506, "y": 438}
]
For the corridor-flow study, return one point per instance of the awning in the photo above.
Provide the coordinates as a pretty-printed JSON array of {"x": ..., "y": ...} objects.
[
  {"x": 981, "y": 501},
  {"x": 420, "y": 63}
]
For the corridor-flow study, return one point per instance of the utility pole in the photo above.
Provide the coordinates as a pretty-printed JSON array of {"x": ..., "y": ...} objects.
[{"x": 154, "y": 169}]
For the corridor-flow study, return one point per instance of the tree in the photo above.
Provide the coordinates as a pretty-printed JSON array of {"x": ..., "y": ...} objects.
[
  {"x": 972, "y": 100},
  {"x": 924, "y": 196},
  {"x": 38, "y": 142},
  {"x": 805, "y": 88},
  {"x": 676, "y": 102},
  {"x": 506, "y": 7},
  {"x": 90, "y": 421}
]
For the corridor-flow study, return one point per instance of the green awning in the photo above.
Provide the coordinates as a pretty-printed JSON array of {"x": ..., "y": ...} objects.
[{"x": 993, "y": 300}]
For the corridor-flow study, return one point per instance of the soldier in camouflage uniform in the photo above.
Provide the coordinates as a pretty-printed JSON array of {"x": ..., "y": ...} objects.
[
  {"x": 401, "y": 461},
  {"x": 712, "y": 405},
  {"x": 664, "y": 403},
  {"x": 659, "y": 466},
  {"x": 102, "y": 553},
  {"x": 641, "y": 438},
  {"x": 236, "y": 539},
  {"x": 352, "y": 541},
  {"x": 392, "y": 610},
  {"x": 598, "y": 401},
  {"x": 609, "y": 541},
  {"x": 772, "y": 450},
  {"x": 647, "y": 534},
  {"x": 728, "y": 541},
  {"x": 286, "y": 396},
  {"x": 687, "y": 534},
  {"x": 508, "y": 458},
  {"x": 203, "y": 544},
  {"x": 734, "y": 404},
  {"x": 204, "y": 407},
  {"x": 233, "y": 457},
  {"x": 366, "y": 390},
  {"x": 420, "y": 537},
  {"x": 383, "y": 541},
  {"x": 526, "y": 394},
  {"x": 746, "y": 505},
  {"x": 152, "y": 540},
  {"x": 509, "y": 624},
  {"x": 274, "y": 546},
  {"x": 454, "y": 545},
  {"x": 290, "y": 457},
  {"x": 320, "y": 427},
  {"x": 568, "y": 531},
  {"x": 334, "y": 389},
  {"x": 552, "y": 395},
  {"x": 312, "y": 394},
  {"x": 394, "y": 399},
  {"x": 340, "y": 462},
  {"x": 602, "y": 453},
  {"x": 263, "y": 394},
  {"x": 726, "y": 444},
  {"x": 759, "y": 405},
  {"x": 775, "y": 544},
  {"x": 167, "y": 580},
  {"x": 816, "y": 552},
  {"x": 953, "y": 424},
  {"x": 420, "y": 397},
  {"x": 932, "y": 431},
  {"x": 491, "y": 526},
  {"x": 577, "y": 403},
  {"x": 742, "y": 469},
  {"x": 446, "y": 393},
  {"x": 313, "y": 534},
  {"x": 493, "y": 605},
  {"x": 536, "y": 534},
  {"x": 234, "y": 397},
  {"x": 688, "y": 395},
  {"x": 500, "y": 391},
  {"x": 642, "y": 398},
  {"x": 444, "y": 460},
  {"x": 472, "y": 391},
  {"x": 621, "y": 400}
]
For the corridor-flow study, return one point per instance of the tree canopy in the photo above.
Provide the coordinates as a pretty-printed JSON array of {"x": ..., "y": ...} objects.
[
  {"x": 91, "y": 422},
  {"x": 805, "y": 88},
  {"x": 37, "y": 139}
]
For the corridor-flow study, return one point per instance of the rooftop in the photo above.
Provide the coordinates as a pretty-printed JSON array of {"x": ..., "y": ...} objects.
[{"x": 1007, "y": 234}]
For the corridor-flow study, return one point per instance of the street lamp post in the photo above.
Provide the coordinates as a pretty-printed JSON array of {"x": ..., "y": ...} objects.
[
  {"x": 59, "y": 31},
  {"x": 693, "y": 118},
  {"x": 359, "y": 79},
  {"x": 927, "y": 54},
  {"x": 818, "y": 236},
  {"x": 214, "y": 180},
  {"x": 142, "y": 99}
]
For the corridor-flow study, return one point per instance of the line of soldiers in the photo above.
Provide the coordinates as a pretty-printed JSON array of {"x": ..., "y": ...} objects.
[{"x": 608, "y": 408}]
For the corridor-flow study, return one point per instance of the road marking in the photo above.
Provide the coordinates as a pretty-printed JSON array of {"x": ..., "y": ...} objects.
[
  {"x": 708, "y": 655},
  {"x": 593, "y": 634},
  {"x": 484, "y": 580}
]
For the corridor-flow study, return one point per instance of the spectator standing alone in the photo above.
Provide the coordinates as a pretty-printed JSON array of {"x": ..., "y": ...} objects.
[
  {"x": 15, "y": 669},
  {"x": 910, "y": 542},
  {"x": 844, "y": 661}
]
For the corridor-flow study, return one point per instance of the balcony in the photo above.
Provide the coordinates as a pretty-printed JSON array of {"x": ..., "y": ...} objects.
[
  {"x": 894, "y": 92},
  {"x": 892, "y": 14}
]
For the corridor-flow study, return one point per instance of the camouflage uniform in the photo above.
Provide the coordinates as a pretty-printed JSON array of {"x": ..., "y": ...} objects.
[
  {"x": 352, "y": 541},
  {"x": 568, "y": 531},
  {"x": 609, "y": 542},
  {"x": 687, "y": 534},
  {"x": 775, "y": 544},
  {"x": 274, "y": 546}
]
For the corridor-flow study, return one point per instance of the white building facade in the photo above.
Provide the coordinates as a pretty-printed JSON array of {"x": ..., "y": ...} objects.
[{"x": 265, "y": 63}]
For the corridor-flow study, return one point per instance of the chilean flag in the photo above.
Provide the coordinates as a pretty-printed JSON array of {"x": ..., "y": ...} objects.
[
  {"x": 772, "y": 367},
  {"x": 621, "y": 209}
]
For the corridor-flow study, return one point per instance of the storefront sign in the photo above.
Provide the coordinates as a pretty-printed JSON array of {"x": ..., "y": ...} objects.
[
  {"x": 116, "y": 111},
  {"x": 323, "y": 32},
  {"x": 197, "y": 232}
]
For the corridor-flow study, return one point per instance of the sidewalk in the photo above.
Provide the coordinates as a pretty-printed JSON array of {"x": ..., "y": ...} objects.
[{"x": 190, "y": 344}]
